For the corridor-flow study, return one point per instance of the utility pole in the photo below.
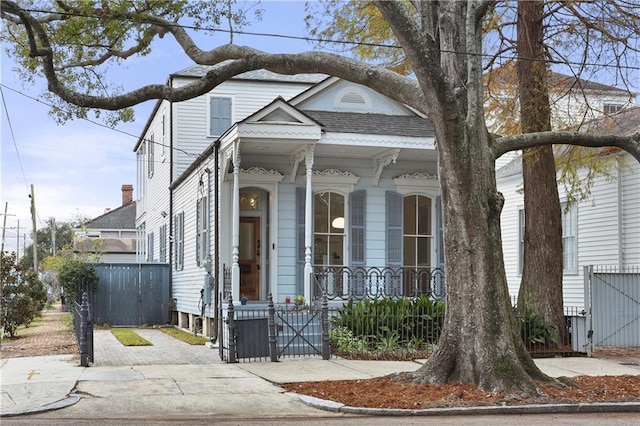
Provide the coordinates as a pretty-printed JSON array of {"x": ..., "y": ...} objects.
[
  {"x": 53, "y": 236},
  {"x": 35, "y": 230},
  {"x": 4, "y": 225},
  {"x": 18, "y": 243}
]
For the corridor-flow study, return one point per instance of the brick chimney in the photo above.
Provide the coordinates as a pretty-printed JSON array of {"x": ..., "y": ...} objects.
[{"x": 127, "y": 194}]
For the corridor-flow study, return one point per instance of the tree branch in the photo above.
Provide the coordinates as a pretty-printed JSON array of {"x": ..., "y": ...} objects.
[{"x": 631, "y": 143}]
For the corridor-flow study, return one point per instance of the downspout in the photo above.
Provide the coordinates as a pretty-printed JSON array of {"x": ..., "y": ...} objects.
[
  {"x": 171, "y": 233},
  {"x": 216, "y": 232},
  {"x": 620, "y": 218}
]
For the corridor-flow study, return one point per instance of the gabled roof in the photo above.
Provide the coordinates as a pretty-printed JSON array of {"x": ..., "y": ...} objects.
[
  {"x": 373, "y": 124},
  {"x": 197, "y": 71},
  {"x": 124, "y": 217},
  {"x": 506, "y": 75}
]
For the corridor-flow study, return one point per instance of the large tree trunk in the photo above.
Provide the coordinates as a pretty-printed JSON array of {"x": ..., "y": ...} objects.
[
  {"x": 541, "y": 286},
  {"x": 480, "y": 342}
]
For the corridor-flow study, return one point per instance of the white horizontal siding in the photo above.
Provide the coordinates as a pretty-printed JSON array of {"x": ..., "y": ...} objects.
[
  {"x": 509, "y": 229},
  {"x": 630, "y": 183},
  {"x": 188, "y": 282},
  {"x": 597, "y": 229}
]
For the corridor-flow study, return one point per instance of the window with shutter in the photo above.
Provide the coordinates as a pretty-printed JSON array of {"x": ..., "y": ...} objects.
[
  {"x": 219, "y": 115},
  {"x": 178, "y": 236},
  {"x": 357, "y": 220},
  {"x": 300, "y": 207},
  {"x": 394, "y": 229},
  {"x": 328, "y": 226}
]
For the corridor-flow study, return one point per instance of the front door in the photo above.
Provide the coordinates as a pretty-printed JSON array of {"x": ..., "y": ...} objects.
[{"x": 250, "y": 258}]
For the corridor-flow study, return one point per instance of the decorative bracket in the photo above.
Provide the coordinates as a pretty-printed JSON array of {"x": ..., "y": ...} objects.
[{"x": 381, "y": 161}]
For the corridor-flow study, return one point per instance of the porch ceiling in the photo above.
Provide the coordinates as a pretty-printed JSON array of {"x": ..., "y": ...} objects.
[{"x": 290, "y": 147}]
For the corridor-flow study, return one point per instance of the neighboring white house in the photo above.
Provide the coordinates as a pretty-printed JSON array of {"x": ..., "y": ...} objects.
[
  {"x": 604, "y": 229},
  {"x": 111, "y": 236},
  {"x": 573, "y": 101}
]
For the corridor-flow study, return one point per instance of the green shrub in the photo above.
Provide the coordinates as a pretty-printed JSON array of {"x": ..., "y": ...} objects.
[
  {"x": 23, "y": 295},
  {"x": 388, "y": 324},
  {"x": 76, "y": 276},
  {"x": 534, "y": 330},
  {"x": 344, "y": 341}
]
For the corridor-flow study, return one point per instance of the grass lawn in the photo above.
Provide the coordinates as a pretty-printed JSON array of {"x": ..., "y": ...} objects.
[
  {"x": 184, "y": 336},
  {"x": 128, "y": 337}
]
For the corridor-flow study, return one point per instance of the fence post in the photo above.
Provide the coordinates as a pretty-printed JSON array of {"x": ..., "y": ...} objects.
[
  {"x": 84, "y": 322},
  {"x": 588, "y": 275},
  {"x": 326, "y": 347},
  {"x": 232, "y": 330},
  {"x": 273, "y": 341}
]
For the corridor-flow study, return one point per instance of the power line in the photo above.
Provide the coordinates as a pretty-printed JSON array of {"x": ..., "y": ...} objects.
[
  {"x": 331, "y": 41},
  {"x": 91, "y": 121},
  {"x": 13, "y": 137}
]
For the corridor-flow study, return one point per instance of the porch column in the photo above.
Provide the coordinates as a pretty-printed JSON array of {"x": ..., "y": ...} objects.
[
  {"x": 308, "y": 224},
  {"x": 235, "y": 227}
]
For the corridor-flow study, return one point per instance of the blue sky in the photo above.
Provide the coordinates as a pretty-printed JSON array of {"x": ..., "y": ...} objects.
[{"x": 78, "y": 168}]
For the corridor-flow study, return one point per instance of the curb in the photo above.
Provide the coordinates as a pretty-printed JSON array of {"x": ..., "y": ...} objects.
[
  {"x": 595, "y": 407},
  {"x": 66, "y": 402}
]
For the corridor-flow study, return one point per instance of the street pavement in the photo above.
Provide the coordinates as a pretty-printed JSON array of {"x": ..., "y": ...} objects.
[{"x": 174, "y": 381}]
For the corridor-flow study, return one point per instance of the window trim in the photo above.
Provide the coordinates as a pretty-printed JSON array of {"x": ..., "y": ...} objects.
[
  {"x": 430, "y": 237},
  {"x": 150, "y": 156},
  {"x": 162, "y": 244},
  {"x": 202, "y": 231},
  {"x": 178, "y": 235},
  {"x": 163, "y": 125},
  {"x": 573, "y": 211},
  {"x": 231, "y": 112},
  {"x": 344, "y": 256}
]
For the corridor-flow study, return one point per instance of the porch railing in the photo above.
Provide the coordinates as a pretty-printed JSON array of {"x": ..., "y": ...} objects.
[{"x": 343, "y": 283}]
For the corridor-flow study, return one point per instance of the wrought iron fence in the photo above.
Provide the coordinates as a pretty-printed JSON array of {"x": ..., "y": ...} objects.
[
  {"x": 383, "y": 328},
  {"x": 269, "y": 333},
  {"x": 341, "y": 282},
  {"x": 83, "y": 325}
]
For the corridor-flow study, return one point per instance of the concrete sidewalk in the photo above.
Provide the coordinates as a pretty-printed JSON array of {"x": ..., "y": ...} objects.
[{"x": 148, "y": 391}]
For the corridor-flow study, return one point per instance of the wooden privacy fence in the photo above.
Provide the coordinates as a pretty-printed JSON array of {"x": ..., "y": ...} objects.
[{"x": 131, "y": 294}]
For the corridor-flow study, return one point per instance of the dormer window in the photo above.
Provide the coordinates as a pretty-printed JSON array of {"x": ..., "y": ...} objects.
[{"x": 609, "y": 109}]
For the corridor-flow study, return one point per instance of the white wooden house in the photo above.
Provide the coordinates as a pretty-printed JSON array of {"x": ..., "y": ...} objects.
[
  {"x": 312, "y": 178},
  {"x": 603, "y": 229}
]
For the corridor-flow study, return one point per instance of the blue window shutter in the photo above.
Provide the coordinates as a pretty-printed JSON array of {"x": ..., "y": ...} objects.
[
  {"x": 220, "y": 115},
  {"x": 357, "y": 221},
  {"x": 439, "y": 235},
  {"x": 300, "y": 207},
  {"x": 394, "y": 229}
]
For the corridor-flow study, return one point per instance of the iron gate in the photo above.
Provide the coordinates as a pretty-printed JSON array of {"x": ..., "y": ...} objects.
[
  {"x": 614, "y": 300},
  {"x": 275, "y": 332}
]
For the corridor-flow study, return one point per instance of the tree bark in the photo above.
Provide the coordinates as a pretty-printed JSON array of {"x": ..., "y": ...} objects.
[
  {"x": 480, "y": 342},
  {"x": 540, "y": 291}
]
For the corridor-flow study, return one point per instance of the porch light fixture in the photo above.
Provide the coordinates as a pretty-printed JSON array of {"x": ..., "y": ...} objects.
[{"x": 338, "y": 223}]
